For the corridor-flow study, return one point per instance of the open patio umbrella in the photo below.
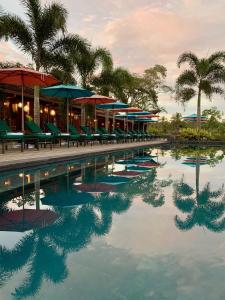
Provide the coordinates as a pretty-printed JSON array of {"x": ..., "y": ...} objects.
[
  {"x": 94, "y": 100},
  {"x": 25, "y": 77},
  {"x": 66, "y": 91},
  {"x": 193, "y": 161},
  {"x": 113, "y": 180},
  {"x": 26, "y": 219},
  {"x": 96, "y": 187},
  {"x": 126, "y": 173},
  {"x": 112, "y": 106},
  {"x": 66, "y": 198},
  {"x": 194, "y": 118},
  {"x": 127, "y": 110}
]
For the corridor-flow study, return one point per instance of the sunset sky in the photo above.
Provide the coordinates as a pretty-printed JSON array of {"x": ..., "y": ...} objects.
[{"x": 143, "y": 33}]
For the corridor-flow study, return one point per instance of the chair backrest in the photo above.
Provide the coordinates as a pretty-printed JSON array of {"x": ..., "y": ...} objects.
[
  {"x": 33, "y": 127},
  {"x": 51, "y": 127},
  {"x": 4, "y": 127},
  {"x": 85, "y": 129},
  {"x": 73, "y": 130}
]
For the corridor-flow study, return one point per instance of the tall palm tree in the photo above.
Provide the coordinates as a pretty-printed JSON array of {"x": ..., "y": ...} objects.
[
  {"x": 90, "y": 61},
  {"x": 202, "y": 207},
  {"x": 204, "y": 75},
  {"x": 115, "y": 81},
  {"x": 42, "y": 35}
]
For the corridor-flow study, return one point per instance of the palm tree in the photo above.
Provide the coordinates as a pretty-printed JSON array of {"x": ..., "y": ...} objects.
[
  {"x": 90, "y": 61},
  {"x": 202, "y": 207},
  {"x": 205, "y": 75},
  {"x": 116, "y": 81},
  {"x": 42, "y": 36}
]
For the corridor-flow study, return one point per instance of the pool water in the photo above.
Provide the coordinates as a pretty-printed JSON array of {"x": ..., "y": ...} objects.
[{"x": 143, "y": 224}]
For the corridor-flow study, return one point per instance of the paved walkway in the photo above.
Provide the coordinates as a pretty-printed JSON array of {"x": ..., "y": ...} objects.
[{"x": 16, "y": 159}]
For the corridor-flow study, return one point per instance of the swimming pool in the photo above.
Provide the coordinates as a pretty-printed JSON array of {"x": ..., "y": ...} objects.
[{"x": 142, "y": 224}]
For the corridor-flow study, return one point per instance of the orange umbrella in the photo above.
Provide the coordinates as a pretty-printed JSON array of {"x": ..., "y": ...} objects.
[
  {"x": 25, "y": 77},
  {"x": 95, "y": 99}
]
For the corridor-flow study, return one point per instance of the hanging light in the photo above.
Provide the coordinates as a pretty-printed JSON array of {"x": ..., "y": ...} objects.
[
  {"x": 52, "y": 112},
  {"x": 26, "y": 108},
  {"x": 20, "y": 105}
]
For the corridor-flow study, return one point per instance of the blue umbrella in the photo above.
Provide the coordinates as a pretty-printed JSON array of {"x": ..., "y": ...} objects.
[
  {"x": 111, "y": 106},
  {"x": 67, "y": 91}
]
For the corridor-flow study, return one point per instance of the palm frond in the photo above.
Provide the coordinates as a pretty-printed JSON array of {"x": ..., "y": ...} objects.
[
  {"x": 188, "y": 77},
  {"x": 188, "y": 57},
  {"x": 15, "y": 28},
  {"x": 185, "y": 94},
  {"x": 217, "y": 57}
]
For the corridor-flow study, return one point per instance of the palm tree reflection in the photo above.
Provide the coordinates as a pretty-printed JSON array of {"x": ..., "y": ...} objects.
[{"x": 204, "y": 207}]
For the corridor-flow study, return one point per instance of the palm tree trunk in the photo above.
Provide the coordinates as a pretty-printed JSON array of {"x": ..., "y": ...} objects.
[
  {"x": 199, "y": 109},
  {"x": 197, "y": 176}
]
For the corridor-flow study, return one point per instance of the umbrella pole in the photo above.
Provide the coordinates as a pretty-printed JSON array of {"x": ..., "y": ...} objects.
[
  {"x": 67, "y": 114},
  {"x": 107, "y": 120},
  {"x": 113, "y": 122},
  {"x": 22, "y": 109},
  {"x": 95, "y": 119}
]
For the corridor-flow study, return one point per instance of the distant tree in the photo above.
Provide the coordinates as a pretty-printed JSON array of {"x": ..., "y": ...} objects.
[
  {"x": 204, "y": 75},
  {"x": 213, "y": 112}
]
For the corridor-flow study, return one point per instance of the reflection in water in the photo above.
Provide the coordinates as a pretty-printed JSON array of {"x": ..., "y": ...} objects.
[
  {"x": 203, "y": 207},
  {"x": 63, "y": 208}
]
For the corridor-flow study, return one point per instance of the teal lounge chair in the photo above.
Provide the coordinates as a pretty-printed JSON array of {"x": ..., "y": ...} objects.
[
  {"x": 58, "y": 135},
  {"x": 82, "y": 138},
  {"x": 37, "y": 135},
  {"x": 7, "y": 135}
]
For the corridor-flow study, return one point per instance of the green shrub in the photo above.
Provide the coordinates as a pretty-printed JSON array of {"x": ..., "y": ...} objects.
[{"x": 195, "y": 134}]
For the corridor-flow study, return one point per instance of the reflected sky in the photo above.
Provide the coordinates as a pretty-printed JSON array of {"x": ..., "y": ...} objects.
[{"x": 124, "y": 244}]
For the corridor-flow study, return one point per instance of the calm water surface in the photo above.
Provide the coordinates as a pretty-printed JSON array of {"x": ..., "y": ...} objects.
[{"x": 144, "y": 224}]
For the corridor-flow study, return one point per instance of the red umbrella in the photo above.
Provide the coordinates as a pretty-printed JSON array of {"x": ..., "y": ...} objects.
[
  {"x": 95, "y": 100},
  {"x": 126, "y": 173},
  {"x": 26, "y": 219},
  {"x": 149, "y": 164},
  {"x": 96, "y": 187},
  {"x": 25, "y": 77}
]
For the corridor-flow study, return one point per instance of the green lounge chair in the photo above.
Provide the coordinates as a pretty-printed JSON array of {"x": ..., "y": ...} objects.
[
  {"x": 7, "y": 135},
  {"x": 126, "y": 135},
  {"x": 82, "y": 138},
  {"x": 37, "y": 135},
  {"x": 58, "y": 135},
  {"x": 110, "y": 136},
  {"x": 92, "y": 136},
  {"x": 119, "y": 136}
]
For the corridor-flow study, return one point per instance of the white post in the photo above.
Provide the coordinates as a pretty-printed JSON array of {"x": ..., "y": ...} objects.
[
  {"x": 22, "y": 111},
  {"x": 67, "y": 114},
  {"x": 36, "y": 105}
]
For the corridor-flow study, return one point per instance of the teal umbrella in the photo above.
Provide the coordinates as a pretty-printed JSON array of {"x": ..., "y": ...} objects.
[
  {"x": 67, "y": 91},
  {"x": 111, "y": 106}
]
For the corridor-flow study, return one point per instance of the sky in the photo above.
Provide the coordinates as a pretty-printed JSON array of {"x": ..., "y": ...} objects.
[{"x": 143, "y": 33}]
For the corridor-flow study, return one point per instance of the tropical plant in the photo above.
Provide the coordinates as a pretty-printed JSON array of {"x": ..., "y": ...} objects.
[
  {"x": 204, "y": 75},
  {"x": 42, "y": 36},
  {"x": 91, "y": 61},
  {"x": 114, "y": 81},
  {"x": 202, "y": 207}
]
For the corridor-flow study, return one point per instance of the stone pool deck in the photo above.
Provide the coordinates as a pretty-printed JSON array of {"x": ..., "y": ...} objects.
[{"x": 16, "y": 159}]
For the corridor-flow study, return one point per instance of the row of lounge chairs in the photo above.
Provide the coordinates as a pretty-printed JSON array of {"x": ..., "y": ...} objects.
[{"x": 87, "y": 135}]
